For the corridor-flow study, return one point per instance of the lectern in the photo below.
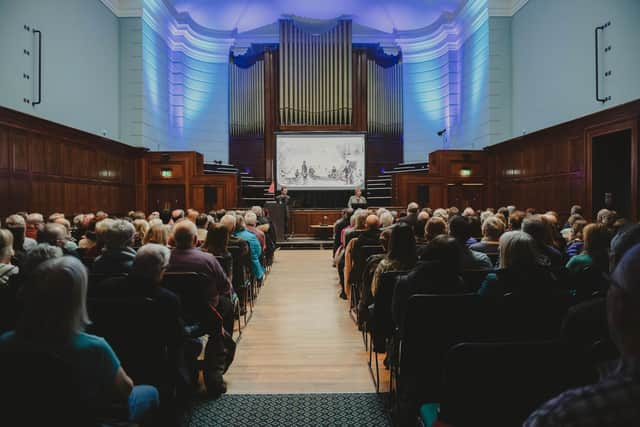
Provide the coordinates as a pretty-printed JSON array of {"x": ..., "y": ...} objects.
[{"x": 278, "y": 214}]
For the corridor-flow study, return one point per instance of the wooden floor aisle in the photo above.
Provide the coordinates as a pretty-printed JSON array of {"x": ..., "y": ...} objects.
[{"x": 301, "y": 338}]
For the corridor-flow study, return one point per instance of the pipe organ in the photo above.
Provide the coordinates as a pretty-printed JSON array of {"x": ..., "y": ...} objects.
[
  {"x": 315, "y": 75},
  {"x": 384, "y": 98},
  {"x": 246, "y": 95}
]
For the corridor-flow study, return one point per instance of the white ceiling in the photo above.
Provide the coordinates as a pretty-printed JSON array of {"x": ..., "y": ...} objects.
[{"x": 383, "y": 15}]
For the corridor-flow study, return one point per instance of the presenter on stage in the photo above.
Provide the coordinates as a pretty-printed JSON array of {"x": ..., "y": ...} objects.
[
  {"x": 283, "y": 199},
  {"x": 357, "y": 198}
]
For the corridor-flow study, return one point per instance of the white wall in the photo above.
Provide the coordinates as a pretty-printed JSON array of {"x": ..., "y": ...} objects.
[
  {"x": 553, "y": 59},
  {"x": 131, "y": 81},
  {"x": 80, "y": 62}
]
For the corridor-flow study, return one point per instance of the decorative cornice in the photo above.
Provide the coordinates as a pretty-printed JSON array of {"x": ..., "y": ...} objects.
[
  {"x": 505, "y": 7},
  {"x": 124, "y": 8}
]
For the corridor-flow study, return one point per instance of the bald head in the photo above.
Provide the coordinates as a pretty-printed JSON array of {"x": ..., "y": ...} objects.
[
  {"x": 372, "y": 222},
  {"x": 185, "y": 234}
]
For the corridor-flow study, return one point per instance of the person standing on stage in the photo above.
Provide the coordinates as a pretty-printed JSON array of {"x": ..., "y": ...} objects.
[
  {"x": 283, "y": 199},
  {"x": 357, "y": 198}
]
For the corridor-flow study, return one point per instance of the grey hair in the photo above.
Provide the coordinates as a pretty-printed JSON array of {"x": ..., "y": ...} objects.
[
  {"x": 386, "y": 219},
  {"x": 517, "y": 249},
  {"x": 150, "y": 260},
  {"x": 15, "y": 221},
  {"x": 229, "y": 221},
  {"x": 55, "y": 300},
  {"x": 257, "y": 210},
  {"x": 412, "y": 207},
  {"x": 119, "y": 234},
  {"x": 250, "y": 218},
  {"x": 35, "y": 218},
  {"x": 38, "y": 254}
]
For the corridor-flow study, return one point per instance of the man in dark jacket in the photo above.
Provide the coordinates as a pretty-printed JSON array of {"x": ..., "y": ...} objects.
[
  {"x": 117, "y": 256},
  {"x": 340, "y": 225},
  {"x": 412, "y": 216}
]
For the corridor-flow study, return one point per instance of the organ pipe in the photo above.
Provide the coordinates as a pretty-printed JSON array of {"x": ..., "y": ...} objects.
[
  {"x": 315, "y": 75},
  {"x": 246, "y": 115},
  {"x": 384, "y": 98}
]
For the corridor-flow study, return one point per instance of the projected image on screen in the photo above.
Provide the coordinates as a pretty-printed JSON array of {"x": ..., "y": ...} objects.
[{"x": 320, "y": 162}]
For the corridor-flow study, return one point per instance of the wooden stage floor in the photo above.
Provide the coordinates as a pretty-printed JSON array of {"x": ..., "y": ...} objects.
[{"x": 301, "y": 338}]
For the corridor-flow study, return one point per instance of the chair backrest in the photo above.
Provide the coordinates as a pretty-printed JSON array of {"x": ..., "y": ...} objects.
[
  {"x": 473, "y": 278},
  {"x": 135, "y": 328},
  {"x": 192, "y": 288},
  {"x": 36, "y": 389},
  {"x": 226, "y": 262},
  {"x": 95, "y": 279},
  {"x": 502, "y": 383},
  {"x": 434, "y": 323},
  {"x": 383, "y": 325},
  {"x": 241, "y": 271}
]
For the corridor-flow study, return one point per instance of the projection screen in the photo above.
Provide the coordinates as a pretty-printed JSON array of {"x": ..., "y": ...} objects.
[{"x": 320, "y": 161}]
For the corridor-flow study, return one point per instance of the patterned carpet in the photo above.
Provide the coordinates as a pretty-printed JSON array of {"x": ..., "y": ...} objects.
[{"x": 288, "y": 410}]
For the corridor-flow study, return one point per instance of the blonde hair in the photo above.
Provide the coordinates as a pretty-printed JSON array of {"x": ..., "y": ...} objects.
[
  {"x": 492, "y": 228},
  {"x": 142, "y": 227},
  {"x": 158, "y": 233}
]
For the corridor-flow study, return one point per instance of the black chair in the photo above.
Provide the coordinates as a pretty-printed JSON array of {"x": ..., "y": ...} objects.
[
  {"x": 36, "y": 390},
  {"x": 192, "y": 288},
  {"x": 500, "y": 384},
  {"x": 241, "y": 280},
  {"x": 435, "y": 323},
  {"x": 586, "y": 283},
  {"x": 95, "y": 282},
  {"x": 381, "y": 326},
  {"x": 227, "y": 265},
  {"x": 359, "y": 260},
  {"x": 133, "y": 327}
]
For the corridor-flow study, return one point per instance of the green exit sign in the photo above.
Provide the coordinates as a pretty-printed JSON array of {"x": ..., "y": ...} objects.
[
  {"x": 166, "y": 173},
  {"x": 465, "y": 172}
]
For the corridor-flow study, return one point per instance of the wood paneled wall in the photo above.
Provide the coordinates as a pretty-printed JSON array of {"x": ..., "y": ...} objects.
[
  {"x": 550, "y": 169},
  {"x": 47, "y": 167}
]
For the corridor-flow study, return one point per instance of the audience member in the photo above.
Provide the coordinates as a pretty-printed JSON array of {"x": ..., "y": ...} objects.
[
  {"x": 187, "y": 258},
  {"x": 439, "y": 273},
  {"x": 595, "y": 252},
  {"x": 7, "y": 270},
  {"x": 251, "y": 222},
  {"x": 158, "y": 234},
  {"x": 216, "y": 243},
  {"x": 401, "y": 255},
  {"x": 202, "y": 222},
  {"x": 471, "y": 260},
  {"x": 53, "y": 322},
  {"x": 492, "y": 229},
  {"x": 575, "y": 245},
  {"x": 21, "y": 243},
  {"x": 423, "y": 217},
  {"x": 435, "y": 227},
  {"x": 614, "y": 400},
  {"x": 255, "y": 248},
  {"x": 142, "y": 228},
  {"x": 55, "y": 235},
  {"x": 386, "y": 220},
  {"x": 536, "y": 227},
  {"x": 521, "y": 271},
  {"x": 412, "y": 216},
  {"x": 117, "y": 256}
]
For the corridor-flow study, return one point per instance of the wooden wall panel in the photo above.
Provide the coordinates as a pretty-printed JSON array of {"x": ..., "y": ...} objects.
[
  {"x": 550, "y": 169},
  {"x": 46, "y": 167}
]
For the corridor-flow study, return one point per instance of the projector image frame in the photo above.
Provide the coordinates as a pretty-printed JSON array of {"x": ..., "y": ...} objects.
[{"x": 304, "y": 162}]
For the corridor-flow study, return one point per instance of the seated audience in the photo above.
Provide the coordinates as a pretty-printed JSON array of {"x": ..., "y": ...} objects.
[
  {"x": 7, "y": 270},
  {"x": 471, "y": 260},
  {"x": 536, "y": 227},
  {"x": 412, "y": 216},
  {"x": 117, "y": 255},
  {"x": 142, "y": 228},
  {"x": 386, "y": 220},
  {"x": 55, "y": 235},
  {"x": 255, "y": 249},
  {"x": 21, "y": 243},
  {"x": 492, "y": 229},
  {"x": 158, "y": 233},
  {"x": 187, "y": 258},
  {"x": 401, "y": 255},
  {"x": 251, "y": 222},
  {"x": 88, "y": 245},
  {"x": 35, "y": 223},
  {"x": 434, "y": 228},
  {"x": 216, "y": 244},
  {"x": 202, "y": 222},
  {"x": 439, "y": 273},
  {"x": 522, "y": 272},
  {"x": 340, "y": 225},
  {"x": 177, "y": 215},
  {"x": 515, "y": 220},
  {"x": 53, "y": 321},
  {"x": 576, "y": 242},
  {"x": 595, "y": 252},
  {"x": 614, "y": 400}
]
